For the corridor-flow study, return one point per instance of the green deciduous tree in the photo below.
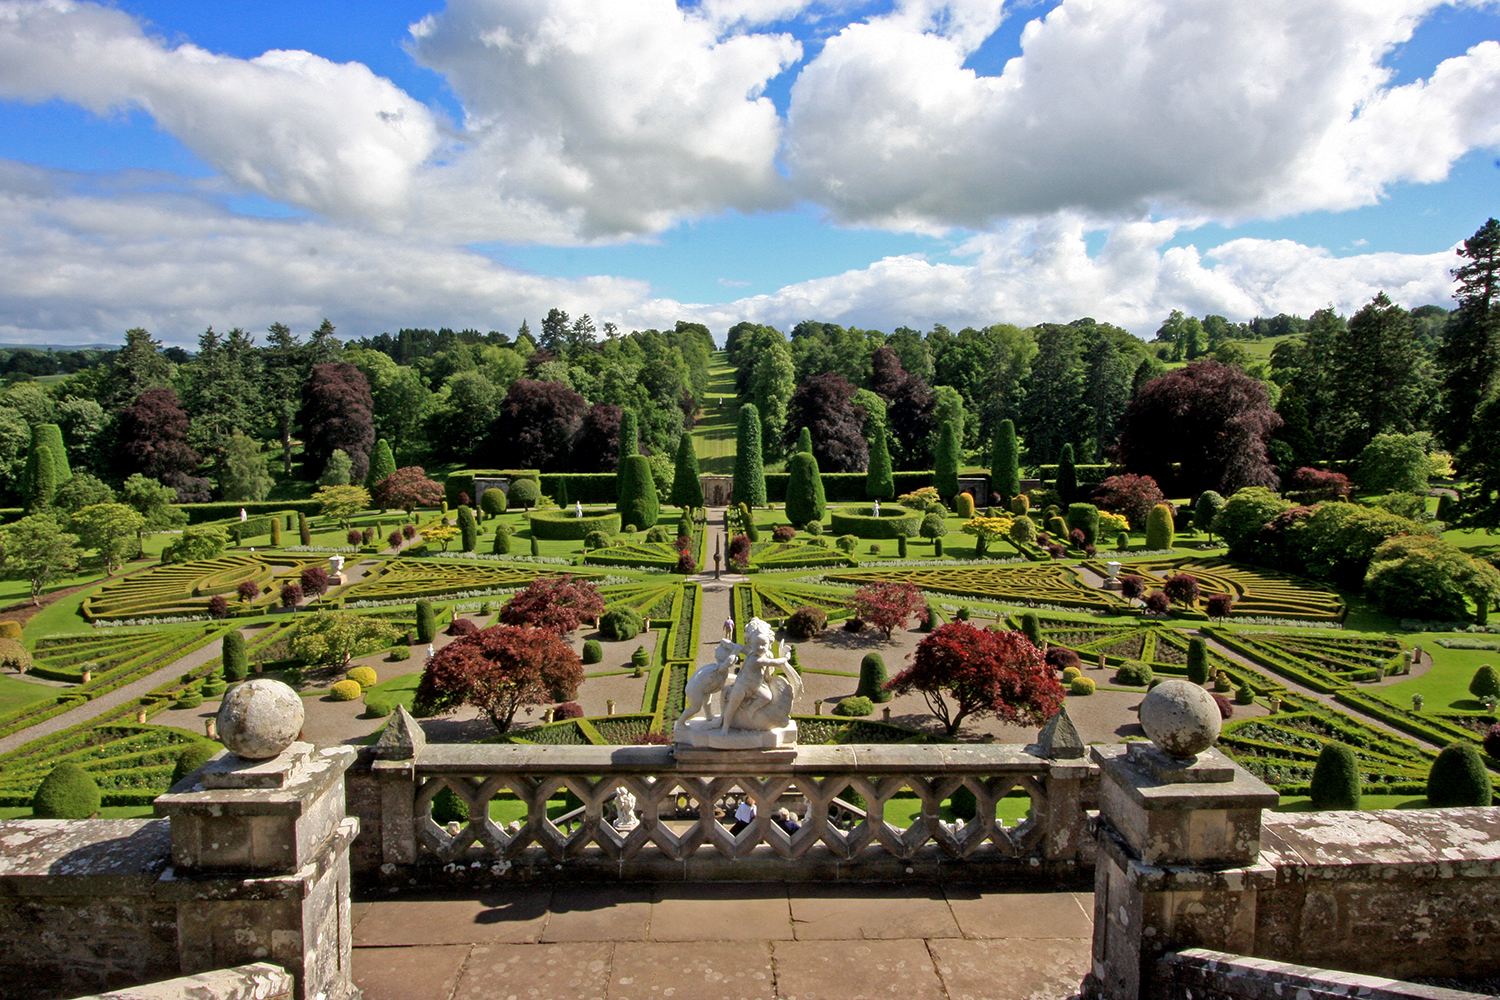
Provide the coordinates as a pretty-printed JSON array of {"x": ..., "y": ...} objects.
[
  {"x": 154, "y": 502},
  {"x": 36, "y": 549},
  {"x": 1420, "y": 576},
  {"x": 336, "y": 637},
  {"x": 1394, "y": 463},
  {"x": 341, "y": 503},
  {"x": 199, "y": 541},
  {"x": 244, "y": 469},
  {"x": 110, "y": 529}
]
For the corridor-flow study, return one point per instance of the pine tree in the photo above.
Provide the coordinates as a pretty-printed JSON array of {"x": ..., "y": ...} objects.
[
  {"x": 1005, "y": 464},
  {"x": 687, "y": 486},
  {"x": 879, "y": 483},
  {"x": 945, "y": 466},
  {"x": 382, "y": 463},
  {"x": 1067, "y": 475},
  {"x": 803, "y": 489},
  {"x": 749, "y": 472},
  {"x": 1470, "y": 353}
]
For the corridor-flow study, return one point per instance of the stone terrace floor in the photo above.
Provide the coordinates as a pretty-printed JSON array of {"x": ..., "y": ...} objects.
[{"x": 722, "y": 942}]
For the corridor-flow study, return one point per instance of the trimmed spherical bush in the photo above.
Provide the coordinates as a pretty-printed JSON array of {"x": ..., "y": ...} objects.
[
  {"x": 345, "y": 690},
  {"x": 872, "y": 678},
  {"x": 447, "y": 807},
  {"x": 596, "y": 540},
  {"x": 399, "y": 653},
  {"x": 593, "y": 652},
  {"x": 1081, "y": 686},
  {"x": 426, "y": 621},
  {"x": 523, "y": 493},
  {"x": 1458, "y": 778},
  {"x": 379, "y": 705},
  {"x": 620, "y": 624},
  {"x": 363, "y": 676},
  {"x": 194, "y": 757},
  {"x": 69, "y": 792},
  {"x": 1159, "y": 527},
  {"x": 1335, "y": 779},
  {"x": 493, "y": 502},
  {"x": 1197, "y": 661},
  {"x": 1133, "y": 673},
  {"x": 1486, "y": 683},
  {"x": 854, "y": 706},
  {"x": 1069, "y": 673},
  {"x": 804, "y": 623},
  {"x": 567, "y": 710}
]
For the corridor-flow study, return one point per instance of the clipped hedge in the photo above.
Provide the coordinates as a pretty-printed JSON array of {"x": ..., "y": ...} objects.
[
  {"x": 562, "y": 526},
  {"x": 846, "y": 487},
  {"x": 198, "y": 513},
  {"x": 893, "y": 522}
]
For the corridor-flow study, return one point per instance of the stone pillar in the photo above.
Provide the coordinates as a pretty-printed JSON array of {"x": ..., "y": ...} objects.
[
  {"x": 395, "y": 770},
  {"x": 1177, "y": 864},
  {"x": 260, "y": 867}
]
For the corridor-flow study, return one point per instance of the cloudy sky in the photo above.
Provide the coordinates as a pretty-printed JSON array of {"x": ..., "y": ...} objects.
[{"x": 473, "y": 163}]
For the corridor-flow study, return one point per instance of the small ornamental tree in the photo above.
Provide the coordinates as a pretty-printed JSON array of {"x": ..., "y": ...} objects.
[
  {"x": 1220, "y": 606},
  {"x": 236, "y": 660},
  {"x": 468, "y": 529},
  {"x": 1131, "y": 495},
  {"x": 1205, "y": 510},
  {"x": 888, "y": 605},
  {"x": 946, "y": 462},
  {"x": 407, "y": 489},
  {"x": 1067, "y": 475},
  {"x": 314, "y": 580},
  {"x": 1182, "y": 588},
  {"x": 218, "y": 607},
  {"x": 1335, "y": 779},
  {"x": 1197, "y": 660},
  {"x": 493, "y": 502},
  {"x": 524, "y": 493},
  {"x": 336, "y": 637},
  {"x": 880, "y": 484},
  {"x": 291, "y": 595},
  {"x": 1157, "y": 602},
  {"x": 1308, "y": 485},
  {"x": 964, "y": 671},
  {"x": 248, "y": 590},
  {"x": 687, "y": 486},
  {"x": 802, "y": 489},
  {"x": 638, "y": 501},
  {"x": 37, "y": 550},
  {"x": 1132, "y": 587},
  {"x": 341, "y": 503},
  {"x": 556, "y": 603},
  {"x": 500, "y": 670},
  {"x": 1159, "y": 527},
  {"x": 1005, "y": 465}
]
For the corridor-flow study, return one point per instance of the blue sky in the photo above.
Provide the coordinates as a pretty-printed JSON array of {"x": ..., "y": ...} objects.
[{"x": 475, "y": 163}]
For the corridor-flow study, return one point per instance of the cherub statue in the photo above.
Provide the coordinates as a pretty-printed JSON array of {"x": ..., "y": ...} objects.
[
  {"x": 759, "y": 700},
  {"x": 709, "y": 679}
]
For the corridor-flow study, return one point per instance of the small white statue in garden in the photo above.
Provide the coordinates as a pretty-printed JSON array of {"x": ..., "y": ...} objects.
[
  {"x": 625, "y": 818},
  {"x": 243, "y": 515},
  {"x": 708, "y": 680},
  {"x": 877, "y": 506},
  {"x": 578, "y": 509}
]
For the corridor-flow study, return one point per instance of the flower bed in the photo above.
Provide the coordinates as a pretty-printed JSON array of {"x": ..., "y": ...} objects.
[
  {"x": 1258, "y": 593},
  {"x": 131, "y": 764},
  {"x": 409, "y": 579},
  {"x": 182, "y": 589},
  {"x": 1018, "y": 584}
]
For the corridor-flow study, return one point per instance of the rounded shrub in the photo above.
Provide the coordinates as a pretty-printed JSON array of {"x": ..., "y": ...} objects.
[
  {"x": 1226, "y": 708},
  {"x": 1197, "y": 661},
  {"x": 1335, "y": 779},
  {"x": 937, "y": 546},
  {"x": 804, "y": 623},
  {"x": 1160, "y": 527},
  {"x": 10, "y": 630},
  {"x": 854, "y": 706},
  {"x": 214, "y": 686},
  {"x": 363, "y": 676},
  {"x": 188, "y": 699},
  {"x": 685, "y": 526},
  {"x": 933, "y": 526},
  {"x": 1133, "y": 673},
  {"x": 1458, "y": 778},
  {"x": 345, "y": 690},
  {"x": 962, "y": 803},
  {"x": 1061, "y": 658},
  {"x": 524, "y": 493},
  {"x": 657, "y": 533},
  {"x": 378, "y": 705},
  {"x": 493, "y": 502},
  {"x": 501, "y": 545},
  {"x": 69, "y": 792},
  {"x": 593, "y": 652},
  {"x": 620, "y": 624},
  {"x": 1084, "y": 517},
  {"x": 426, "y": 621},
  {"x": 1244, "y": 696},
  {"x": 1081, "y": 685},
  {"x": 1023, "y": 530},
  {"x": 846, "y": 543},
  {"x": 567, "y": 710},
  {"x": 1122, "y": 542},
  {"x": 872, "y": 678},
  {"x": 399, "y": 653},
  {"x": 1070, "y": 673},
  {"x": 1486, "y": 683},
  {"x": 783, "y": 533},
  {"x": 854, "y": 623},
  {"x": 814, "y": 528},
  {"x": 194, "y": 757},
  {"x": 447, "y": 806},
  {"x": 1057, "y": 527},
  {"x": 236, "y": 660},
  {"x": 640, "y": 659},
  {"x": 963, "y": 506}
]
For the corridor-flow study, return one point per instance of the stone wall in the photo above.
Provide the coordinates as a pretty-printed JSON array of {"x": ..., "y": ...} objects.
[
  {"x": 259, "y": 981},
  {"x": 1200, "y": 974}
]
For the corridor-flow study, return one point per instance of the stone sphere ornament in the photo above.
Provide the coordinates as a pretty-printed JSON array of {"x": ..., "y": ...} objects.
[
  {"x": 260, "y": 718},
  {"x": 1180, "y": 718}
]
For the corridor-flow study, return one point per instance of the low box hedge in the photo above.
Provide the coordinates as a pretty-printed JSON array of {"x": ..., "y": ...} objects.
[
  {"x": 561, "y": 525},
  {"x": 198, "y": 513},
  {"x": 893, "y": 522}
]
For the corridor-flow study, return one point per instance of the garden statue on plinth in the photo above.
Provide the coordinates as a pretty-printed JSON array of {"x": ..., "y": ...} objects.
[
  {"x": 336, "y": 571},
  {"x": 756, "y": 711}
]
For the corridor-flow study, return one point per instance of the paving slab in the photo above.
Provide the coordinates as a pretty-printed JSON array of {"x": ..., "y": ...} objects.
[
  {"x": 599, "y": 913},
  {"x": 870, "y": 912},
  {"x": 752, "y": 912},
  {"x": 424, "y": 973},
  {"x": 514, "y": 915},
  {"x": 1013, "y": 969},
  {"x": 856, "y": 970},
  {"x": 577, "y": 971},
  {"x": 683, "y": 970},
  {"x": 1022, "y": 914}
]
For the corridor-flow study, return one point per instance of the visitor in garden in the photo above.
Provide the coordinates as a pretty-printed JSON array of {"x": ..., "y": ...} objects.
[{"x": 743, "y": 817}]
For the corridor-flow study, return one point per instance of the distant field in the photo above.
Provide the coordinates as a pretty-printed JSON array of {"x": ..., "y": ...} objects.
[{"x": 713, "y": 437}]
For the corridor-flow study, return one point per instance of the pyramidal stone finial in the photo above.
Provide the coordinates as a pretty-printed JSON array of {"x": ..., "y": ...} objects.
[
  {"x": 1059, "y": 738},
  {"x": 402, "y": 739}
]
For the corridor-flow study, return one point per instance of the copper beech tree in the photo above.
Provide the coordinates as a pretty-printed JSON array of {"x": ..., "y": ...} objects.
[
  {"x": 500, "y": 670},
  {"x": 556, "y": 603},
  {"x": 407, "y": 489},
  {"x": 964, "y": 671},
  {"x": 889, "y": 606}
]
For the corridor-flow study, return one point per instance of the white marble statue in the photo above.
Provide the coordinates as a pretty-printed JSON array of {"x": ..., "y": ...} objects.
[
  {"x": 578, "y": 509},
  {"x": 757, "y": 701},
  {"x": 625, "y": 818},
  {"x": 877, "y": 506}
]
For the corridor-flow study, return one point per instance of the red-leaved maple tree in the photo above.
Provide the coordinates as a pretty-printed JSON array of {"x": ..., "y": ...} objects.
[
  {"x": 407, "y": 489},
  {"x": 964, "y": 671},
  {"x": 500, "y": 670},
  {"x": 555, "y": 603},
  {"x": 888, "y": 605}
]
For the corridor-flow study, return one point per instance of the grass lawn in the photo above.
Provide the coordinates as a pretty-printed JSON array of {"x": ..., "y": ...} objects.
[
  {"x": 1446, "y": 685},
  {"x": 15, "y": 693},
  {"x": 106, "y": 812},
  {"x": 401, "y": 689},
  {"x": 714, "y": 434},
  {"x": 1302, "y": 804}
]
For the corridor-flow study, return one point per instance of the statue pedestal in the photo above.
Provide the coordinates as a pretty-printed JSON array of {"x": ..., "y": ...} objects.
[{"x": 700, "y": 738}]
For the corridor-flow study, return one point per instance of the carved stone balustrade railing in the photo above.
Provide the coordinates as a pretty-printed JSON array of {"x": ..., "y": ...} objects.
[{"x": 840, "y": 836}]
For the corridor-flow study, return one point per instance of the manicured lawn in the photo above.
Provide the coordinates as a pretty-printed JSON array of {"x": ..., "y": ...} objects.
[
  {"x": 106, "y": 812},
  {"x": 403, "y": 688},
  {"x": 1446, "y": 685},
  {"x": 15, "y": 693},
  {"x": 1301, "y": 803}
]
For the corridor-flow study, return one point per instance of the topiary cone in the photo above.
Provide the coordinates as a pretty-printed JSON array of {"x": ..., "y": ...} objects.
[
  {"x": 1458, "y": 778},
  {"x": 1335, "y": 779}
]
